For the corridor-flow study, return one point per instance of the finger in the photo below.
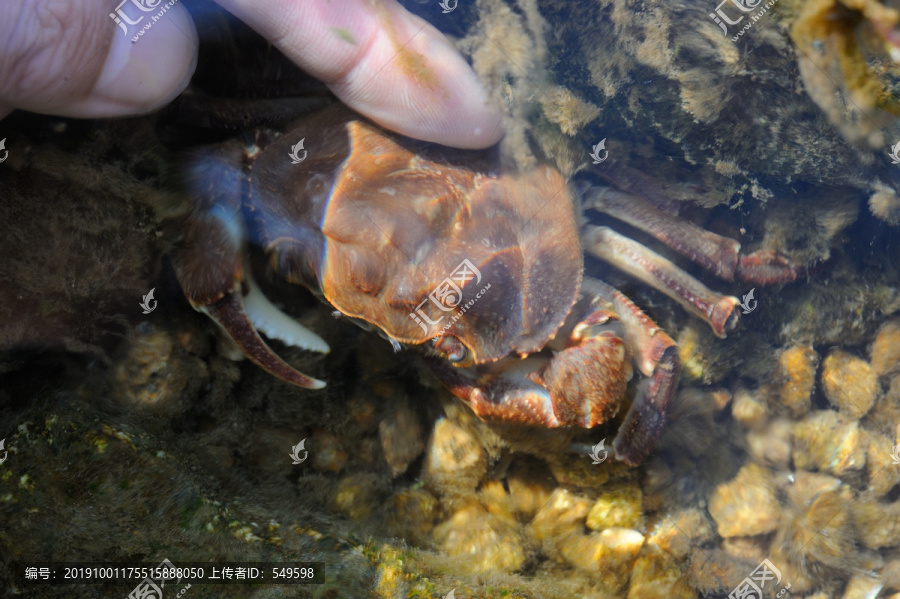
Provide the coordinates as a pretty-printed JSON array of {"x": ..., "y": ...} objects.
[
  {"x": 70, "y": 58},
  {"x": 382, "y": 61}
]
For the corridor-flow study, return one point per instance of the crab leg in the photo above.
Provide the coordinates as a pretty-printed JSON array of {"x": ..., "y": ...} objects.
[
  {"x": 720, "y": 311},
  {"x": 656, "y": 356},
  {"x": 717, "y": 254}
]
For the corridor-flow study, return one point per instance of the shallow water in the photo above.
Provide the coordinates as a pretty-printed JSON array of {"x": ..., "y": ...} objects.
[{"x": 133, "y": 433}]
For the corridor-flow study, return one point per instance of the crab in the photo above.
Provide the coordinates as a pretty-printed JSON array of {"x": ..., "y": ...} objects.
[{"x": 443, "y": 250}]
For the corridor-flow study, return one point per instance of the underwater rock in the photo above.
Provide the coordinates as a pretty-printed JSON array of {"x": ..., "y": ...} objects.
[
  {"x": 410, "y": 515},
  {"x": 678, "y": 533},
  {"x": 402, "y": 435},
  {"x": 797, "y": 369},
  {"x": 485, "y": 542},
  {"x": 530, "y": 488},
  {"x": 849, "y": 383},
  {"x": 829, "y": 442},
  {"x": 862, "y": 586},
  {"x": 746, "y": 505},
  {"x": 883, "y": 473},
  {"x": 358, "y": 496},
  {"x": 606, "y": 556},
  {"x": 618, "y": 506},
  {"x": 885, "y": 204},
  {"x": 563, "y": 515},
  {"x": 816, "y": 527},
  {"x": 455, "y": 462},
  {"x": 155, "y": 371},
  {"x": 771, "y": 445},
  {"x": 877, "y": 523},
  {"x": 886, "y": 349},
  {"x": 656, "y": 575},
  {"x": 749, "y": 411},
  {"x": 327, "y": 452},
  {"x": 567, "y": 110}
]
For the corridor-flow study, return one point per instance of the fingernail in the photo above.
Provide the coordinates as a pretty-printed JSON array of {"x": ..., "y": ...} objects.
[{"x": 147, "y": 65}]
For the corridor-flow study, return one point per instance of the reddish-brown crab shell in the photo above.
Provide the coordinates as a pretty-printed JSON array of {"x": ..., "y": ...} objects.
[{"x": 440, "y": 248}]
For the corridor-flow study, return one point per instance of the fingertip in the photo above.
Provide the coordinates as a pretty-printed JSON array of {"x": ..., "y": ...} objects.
[{"x": 146, "y": 66}]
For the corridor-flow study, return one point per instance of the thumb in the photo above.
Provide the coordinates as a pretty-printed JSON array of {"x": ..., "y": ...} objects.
[{"x": 70, "y": 58}]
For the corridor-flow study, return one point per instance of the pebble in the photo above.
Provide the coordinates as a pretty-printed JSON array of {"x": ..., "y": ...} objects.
[
  {"x": 607, "y": 555},
  {"x": 862, "y": 586},
  {"x": 886, "y": 349},
  {"x": 487, "y": 542},
  {"x": 746, "y": 505},
  {"x": 402, "y": 435},
  {"x": 455, "y": 462},
  {"x": 749, "y": 411},
  {"x": 828, "y": 442},
  {"x": 771, "y": 445},
  {"x": 411, "y": 514},
  {"x": 678, "y": 533},
  {"x": 618, "y": 506},
  {"x": 797, "y": 371},
  {"x": 878, "y": 523},
  {"x": 656, "y": 575},
  {"x": 849, "y": 383},
  {"x": 883, "y": 473}
]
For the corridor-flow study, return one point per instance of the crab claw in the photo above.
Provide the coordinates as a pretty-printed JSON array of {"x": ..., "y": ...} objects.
[
  {"x": 231, "y": 314},
  {"x": 217, "y": 281}
]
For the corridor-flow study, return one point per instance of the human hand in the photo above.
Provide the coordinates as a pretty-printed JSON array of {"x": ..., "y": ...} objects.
[{"x": 71, "y": 59}]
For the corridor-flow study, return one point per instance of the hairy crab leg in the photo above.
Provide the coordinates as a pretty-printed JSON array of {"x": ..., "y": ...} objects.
[
  {"x": 656, "y": 356},
  {"x": 717, "y": 254},
  {"x": 720, "y": 311}
]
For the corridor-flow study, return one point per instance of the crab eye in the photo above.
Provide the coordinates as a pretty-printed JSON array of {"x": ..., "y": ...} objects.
[{"x": 451, "y": 348}]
